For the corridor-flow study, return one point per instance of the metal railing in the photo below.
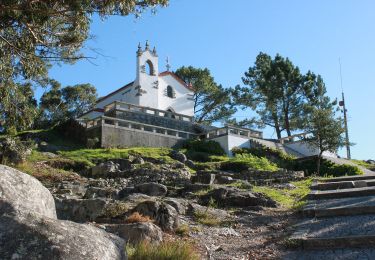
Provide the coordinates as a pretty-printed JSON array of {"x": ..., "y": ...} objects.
[
  {"x": 127, "y": 124},
  {"x": 122, "y": 106}
]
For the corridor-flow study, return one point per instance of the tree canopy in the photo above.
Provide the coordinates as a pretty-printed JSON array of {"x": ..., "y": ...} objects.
[
  {"x": 36, "y": 34},
  {"x": 279, "y": 93},
  {"x": 59, "y": 104},
  {"x": 212, "y": 102}
]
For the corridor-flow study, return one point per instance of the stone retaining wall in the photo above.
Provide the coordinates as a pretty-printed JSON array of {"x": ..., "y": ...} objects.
[{"x": 269, "y": 177}]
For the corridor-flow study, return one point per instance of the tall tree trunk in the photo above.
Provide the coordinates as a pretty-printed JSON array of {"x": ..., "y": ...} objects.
[
  {"x": 277, "y": 125},
  {"x": 287, "y": 124},
  {"x": 277, "y": 128}
]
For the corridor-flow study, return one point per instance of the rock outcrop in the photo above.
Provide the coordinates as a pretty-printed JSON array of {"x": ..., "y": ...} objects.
[
  {"x": 22, "y": 192},
  {"x": 151, "y": 189},
  {"x": 135, "y": 233},
  {"x": 30, "y": 230}
]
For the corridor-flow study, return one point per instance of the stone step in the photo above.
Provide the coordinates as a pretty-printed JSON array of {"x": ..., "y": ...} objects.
[
  {"x": 337, "y": 242},
  {"x": 350, "y": 178},
  {"x": 345, "y": 193},
  {"x": 331, "y": 254},
  {"x": 342, "y": 185},
  {"x": 338, "y": 232},
  {"x": 340, "y": 207}
]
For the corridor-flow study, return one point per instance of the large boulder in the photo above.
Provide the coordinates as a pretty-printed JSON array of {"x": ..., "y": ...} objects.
[
  {"x": 180, "y": 205},
  {"x": 203, "y": 177},
  {"x": 164, "y": 215},
  {"x": 151, "y": 189},
  {"x": 80, "y": 210},
  {"x": 179, "y": 156},
  {"x": 23, "y": 192},
  {"x": 135, "y": 233},
  {"x": 29, "y": 228},
  {"x": 96, "y": 192},
  {"x": 105, "y": 169},
  {"x": 31, "y": 236}
]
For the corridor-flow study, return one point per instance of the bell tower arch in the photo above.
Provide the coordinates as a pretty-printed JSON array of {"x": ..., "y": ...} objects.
[{"x": 146, "y": 82}]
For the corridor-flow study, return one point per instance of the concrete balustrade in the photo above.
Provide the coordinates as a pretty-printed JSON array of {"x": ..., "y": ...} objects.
[
  {"x": 232, "y": 130},
  {"x": 122, "y": 106},
  {"x": 121, "y": 123}
]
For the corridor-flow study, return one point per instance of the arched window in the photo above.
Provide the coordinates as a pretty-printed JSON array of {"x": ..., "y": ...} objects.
[
  {"x": 170, "y": 110},
  {"x": 149, "y": 68},
  {"x": 170, "y": 92}
]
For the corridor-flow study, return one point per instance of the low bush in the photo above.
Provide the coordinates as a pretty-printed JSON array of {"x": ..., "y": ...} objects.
[
  {"x": 174, "y": 250},
  {"x": 242, "y": 162},
  {"x": 203, "y": 146},
  {"x": 281, "y": 159},
  {"x": 198, "y": 156},
  {"x": 205, "y": 218},
  {"x": 72, "y": 130},
  {"x": 327, "y": 168},
  {"x": 183, "y": 230},
  {"x": 92, "y": 142},
  {"x": 14, "y": 151},
  {"x": 135, "y": 217}
]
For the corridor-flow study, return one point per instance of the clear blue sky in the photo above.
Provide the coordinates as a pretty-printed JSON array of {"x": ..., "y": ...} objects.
[{"x": 226, "y": 36}]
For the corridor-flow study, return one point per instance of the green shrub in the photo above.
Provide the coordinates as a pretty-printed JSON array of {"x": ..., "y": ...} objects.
[
  {"x": 72, "y": 130},
  {"x": 182, "y": 230},
  {"x": 242, "y": 162},
  {"x": 206, "y": 218},
  {"x": 92, "y": 142},
  {"x": 327, "y": 168},
  {"x": 281, "y": 159},
  {"x": 204, "y": 146},
  {"x": 173, "y": 250},
  {"x": 198, "y": 156}
]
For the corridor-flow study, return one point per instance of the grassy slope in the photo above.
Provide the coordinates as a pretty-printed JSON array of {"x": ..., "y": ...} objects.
[
  {"x": 364, "y": 164},
  {"x": 288, "y": 198},
  {"x": 70, "y": 151}
]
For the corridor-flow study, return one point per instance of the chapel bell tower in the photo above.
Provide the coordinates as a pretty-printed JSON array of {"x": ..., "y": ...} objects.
[{"x": 146, "y": 82}]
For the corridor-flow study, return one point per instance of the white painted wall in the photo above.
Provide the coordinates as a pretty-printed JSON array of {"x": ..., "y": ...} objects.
[
  {"x": 306, "y": 149},
  {"x": 127, "y": 95},
  {"x": 182, "y": 103},
  {"x": 228, "y": 142},
  {"x": 150, "y": 90},
  {"x": 147, "y": 83}
]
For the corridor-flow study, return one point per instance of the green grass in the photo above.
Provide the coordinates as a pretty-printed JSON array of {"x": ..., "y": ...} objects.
[
  {"x": 293, "y": 198},
  {"x": 205, "y": 218},
  {"x": 183, "y": 230},
  {"x": 242, "y": 162},
  {"x": 243, "y": 185},
  {"x": 364, "y": 164},
  {"x": 174, "y": 250},
  {"x": 93, "y": 155}
]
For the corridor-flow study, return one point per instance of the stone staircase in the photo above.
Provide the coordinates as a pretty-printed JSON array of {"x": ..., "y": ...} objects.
[{"x": 338, "y": 220}]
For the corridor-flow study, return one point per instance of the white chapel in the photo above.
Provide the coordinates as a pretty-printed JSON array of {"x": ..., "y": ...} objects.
[
  {"x": 151, "y": 88},
  {"x": 157, "y": 110}
]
